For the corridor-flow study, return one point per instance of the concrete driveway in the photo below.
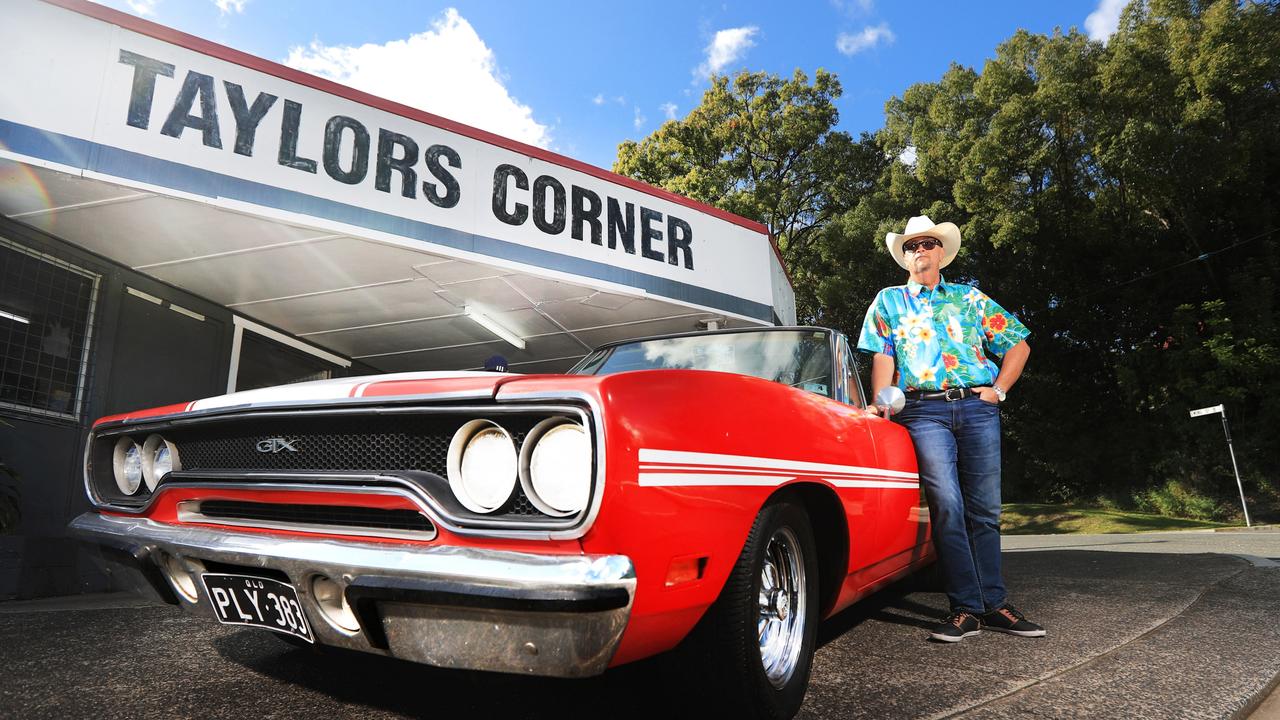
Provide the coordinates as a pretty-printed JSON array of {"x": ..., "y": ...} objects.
[
  {"x": 1162, "y": 625},
  {"x": 1158, "y": 625}
]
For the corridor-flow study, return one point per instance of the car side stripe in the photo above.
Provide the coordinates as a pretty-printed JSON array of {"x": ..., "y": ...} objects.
[
  {"x": 676, "y": 468},
  {"x": 651, "y": 459},
  {"x": 689, "y": 479},
  {"x": 660, "y": 467},
  {"x": 667, "y": 479}
]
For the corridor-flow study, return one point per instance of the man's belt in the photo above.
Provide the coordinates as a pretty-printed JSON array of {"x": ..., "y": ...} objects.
[{"x": 950, "y": 394}]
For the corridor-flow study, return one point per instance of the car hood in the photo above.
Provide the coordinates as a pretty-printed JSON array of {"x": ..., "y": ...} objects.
[
  {"x": 409, "y": 383},
  {"x": 445, "y": 385}
]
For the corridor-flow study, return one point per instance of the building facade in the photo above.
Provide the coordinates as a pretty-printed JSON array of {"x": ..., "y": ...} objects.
[{"x": 181, "y": 219}]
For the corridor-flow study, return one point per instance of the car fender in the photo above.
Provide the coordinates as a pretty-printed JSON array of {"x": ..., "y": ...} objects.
[{"x": 684, "y": 527}]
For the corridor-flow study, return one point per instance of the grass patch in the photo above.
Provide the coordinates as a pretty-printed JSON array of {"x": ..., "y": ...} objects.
[{"x": 1037, "y": 519}]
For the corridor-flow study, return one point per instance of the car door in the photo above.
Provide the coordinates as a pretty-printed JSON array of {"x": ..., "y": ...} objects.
[
  {"x": 902, "y": 517},
  {"x": 859, "y": 493}
]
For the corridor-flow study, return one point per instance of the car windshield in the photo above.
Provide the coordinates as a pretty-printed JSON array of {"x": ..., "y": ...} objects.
[{"x": 799, "y": 358}]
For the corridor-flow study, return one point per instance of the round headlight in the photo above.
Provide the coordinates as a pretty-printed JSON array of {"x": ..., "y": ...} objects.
[
  {"x": 556, "y": 467},
  {"x": 126, "y": 465},
  {"x": 159, "y": 458},
  {"x": 482, "y": 466}
]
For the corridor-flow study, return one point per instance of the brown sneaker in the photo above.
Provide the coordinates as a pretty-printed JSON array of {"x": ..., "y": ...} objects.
[
  {"x": 957, "y": 626},
  {"x": 1007, "y": 619}
]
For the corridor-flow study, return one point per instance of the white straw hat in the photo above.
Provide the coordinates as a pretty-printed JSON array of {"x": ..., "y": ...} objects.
[{"x": 922, "y": 226}]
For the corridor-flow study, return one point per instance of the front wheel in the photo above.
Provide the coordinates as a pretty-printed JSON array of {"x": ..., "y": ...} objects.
[{"x": 756, "y": 642}]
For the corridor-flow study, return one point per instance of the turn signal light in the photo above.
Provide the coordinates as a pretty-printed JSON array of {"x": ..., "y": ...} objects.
[{"x": 685, "y": 570}]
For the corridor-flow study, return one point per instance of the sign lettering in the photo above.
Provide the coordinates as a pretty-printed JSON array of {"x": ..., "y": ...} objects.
[{"x": 349, "y": 156}]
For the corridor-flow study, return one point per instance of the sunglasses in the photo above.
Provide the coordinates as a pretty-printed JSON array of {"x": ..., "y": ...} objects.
[{"x": 925, "y": 244}]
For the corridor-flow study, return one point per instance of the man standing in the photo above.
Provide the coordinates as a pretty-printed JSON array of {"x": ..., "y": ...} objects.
[{"x": 931, "y": 338}]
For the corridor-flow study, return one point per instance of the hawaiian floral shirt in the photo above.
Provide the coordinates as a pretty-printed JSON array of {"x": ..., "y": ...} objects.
[{"x": 939, "y": 338}]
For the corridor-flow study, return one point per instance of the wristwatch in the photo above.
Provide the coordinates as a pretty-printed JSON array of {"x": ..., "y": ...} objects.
[{"x": 1000, "y": 395}]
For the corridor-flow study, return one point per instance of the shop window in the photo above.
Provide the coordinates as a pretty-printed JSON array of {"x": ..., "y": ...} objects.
[
  {"x": 264, "y": 363},
  {"x": 46, "y": 323},
  {"x": 262, "y": 357}
]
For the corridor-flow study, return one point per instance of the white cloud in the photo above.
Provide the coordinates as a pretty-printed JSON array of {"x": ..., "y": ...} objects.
[
  {"x": 854, "y": 6},
  {"x": 639, "y": 119},
  {"x": 851, "y": 44},
  {"x": 1104, "y": 20},
  {"x": 728, "y": 46},
  {"x": 668, "y": 110},
  {"x": 908, "y": 156},
  {"x": 143, "y": 7},
  {"x": 598, "y": 99},
  {"x": 468, "y": 88},
  {"x": 229, "y": 6}
]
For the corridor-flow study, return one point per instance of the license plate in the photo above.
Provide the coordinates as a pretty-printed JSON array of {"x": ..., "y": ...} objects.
[{"x": 257, "y": 602}]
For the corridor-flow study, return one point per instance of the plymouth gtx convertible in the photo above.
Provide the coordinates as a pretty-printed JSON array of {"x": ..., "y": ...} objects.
[{"x": 715, "y": 493}]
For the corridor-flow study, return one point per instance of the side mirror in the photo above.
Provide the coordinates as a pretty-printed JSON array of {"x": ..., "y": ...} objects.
[{"x": 892, "y": 398}]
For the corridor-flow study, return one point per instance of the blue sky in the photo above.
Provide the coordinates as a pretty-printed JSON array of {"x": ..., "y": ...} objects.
[{"x": 578, "y": 78}]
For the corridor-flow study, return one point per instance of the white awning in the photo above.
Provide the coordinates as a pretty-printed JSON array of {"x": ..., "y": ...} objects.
[{"x": 395, "y": 237}]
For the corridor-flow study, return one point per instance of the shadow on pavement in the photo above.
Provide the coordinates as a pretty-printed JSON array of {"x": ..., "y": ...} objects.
[
  {"x": 644, "y": 689},
  {"x": 1164, "y": 615},
  {"x": 412, "y": 690},
  {"x": 882, "y": 604}
]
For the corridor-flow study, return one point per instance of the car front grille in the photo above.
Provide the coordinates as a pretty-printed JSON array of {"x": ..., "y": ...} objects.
[
  {"x": 372, "y": 444},
  {"x": 311, "y": 443},
  {"x": 333, "y": 516},
  {"x": 325, "y": 444}
]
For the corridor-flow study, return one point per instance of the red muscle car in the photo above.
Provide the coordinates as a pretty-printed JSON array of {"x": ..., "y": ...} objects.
[{"x": 726, "y": 490}]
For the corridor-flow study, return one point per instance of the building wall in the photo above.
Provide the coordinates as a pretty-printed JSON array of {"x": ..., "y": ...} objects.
[{"x": 143, "y": 353}]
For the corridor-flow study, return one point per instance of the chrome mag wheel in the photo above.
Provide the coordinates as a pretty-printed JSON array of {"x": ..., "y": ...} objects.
[
  {"x": 782, "y": 606},
  {"x": 750, "y": 655}
]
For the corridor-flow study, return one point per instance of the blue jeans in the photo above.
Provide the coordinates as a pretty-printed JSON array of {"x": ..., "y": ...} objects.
[{"x": 958, "y": 450}]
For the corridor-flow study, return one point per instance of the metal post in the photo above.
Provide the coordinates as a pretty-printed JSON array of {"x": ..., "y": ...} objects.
[{"x": 1226, "y": 429}]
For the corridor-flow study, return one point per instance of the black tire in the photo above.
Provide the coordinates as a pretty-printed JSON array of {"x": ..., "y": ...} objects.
[{"x": 725, "y": 648}]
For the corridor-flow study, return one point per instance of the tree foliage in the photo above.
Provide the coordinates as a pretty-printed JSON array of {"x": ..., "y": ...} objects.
[
  {"x": 765, "y": 148},
  {"x": 1123, "y": 198}
]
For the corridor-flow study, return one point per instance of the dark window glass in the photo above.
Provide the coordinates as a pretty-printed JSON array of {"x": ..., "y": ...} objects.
[
  {"x": 800, "y": 358},
  {"x": 853, "y": 372},
  {"x": 265, "y": 362},
  {"x": 46, "y": 316}
]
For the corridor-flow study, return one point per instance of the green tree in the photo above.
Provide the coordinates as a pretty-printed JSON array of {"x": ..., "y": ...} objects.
[
  {"x": 1088, "y": 179},
  {"x": 1122, "y": 197},
  {"x": 763, "y": 147}
]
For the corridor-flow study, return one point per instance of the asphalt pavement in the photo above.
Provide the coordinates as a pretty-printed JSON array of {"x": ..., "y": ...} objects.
[{"x": 1159, "y": 625}]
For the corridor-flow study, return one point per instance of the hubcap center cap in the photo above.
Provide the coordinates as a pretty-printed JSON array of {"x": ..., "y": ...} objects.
[{"x": 781, "y": 603}]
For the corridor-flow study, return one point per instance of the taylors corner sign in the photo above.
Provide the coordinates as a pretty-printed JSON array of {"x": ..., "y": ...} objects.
[
  {"x": 391, "y": 161},
  {"x": 88, "y": 94}
]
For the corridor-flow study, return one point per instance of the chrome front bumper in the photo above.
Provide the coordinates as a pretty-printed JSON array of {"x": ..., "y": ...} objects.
[{"x": 553, "y": 615}]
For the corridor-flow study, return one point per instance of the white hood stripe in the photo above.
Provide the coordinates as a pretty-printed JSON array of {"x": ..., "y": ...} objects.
[{"x": 337, "y": 389}]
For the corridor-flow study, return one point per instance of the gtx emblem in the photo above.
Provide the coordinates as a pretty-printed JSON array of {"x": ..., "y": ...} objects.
[{"x": 275, "y": 445}]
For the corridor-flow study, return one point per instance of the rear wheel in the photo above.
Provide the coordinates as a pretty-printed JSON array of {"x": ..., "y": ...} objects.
[{"x": 756, "y": 642}]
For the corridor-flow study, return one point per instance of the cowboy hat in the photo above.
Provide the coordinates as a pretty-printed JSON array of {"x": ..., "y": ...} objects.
[{"x": 922, "y": 226}]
